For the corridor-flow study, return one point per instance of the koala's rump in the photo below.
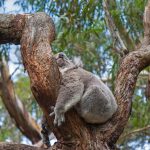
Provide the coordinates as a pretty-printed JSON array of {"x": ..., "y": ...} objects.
[{"x": 97, "y": 104}]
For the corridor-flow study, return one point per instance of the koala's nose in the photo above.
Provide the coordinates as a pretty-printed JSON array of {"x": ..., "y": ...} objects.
[{"x": 61, "y": 55}]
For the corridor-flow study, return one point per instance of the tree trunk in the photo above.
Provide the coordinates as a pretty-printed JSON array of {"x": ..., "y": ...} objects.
[
  {"x": 37, "y": 31},
  {"x": 23, "y": 120}
]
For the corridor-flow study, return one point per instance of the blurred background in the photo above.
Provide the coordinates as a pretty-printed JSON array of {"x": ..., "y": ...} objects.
[{"x": 81, "y": 30}]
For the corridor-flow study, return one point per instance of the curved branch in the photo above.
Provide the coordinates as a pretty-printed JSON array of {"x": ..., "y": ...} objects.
[
  {"x": 23, "y": 120},
  {"x": 125, "y": 85},
  {"x": 130, "y": 67},
  {"x": 11, "y": 27},
  {"x": 45, "y": 80}
]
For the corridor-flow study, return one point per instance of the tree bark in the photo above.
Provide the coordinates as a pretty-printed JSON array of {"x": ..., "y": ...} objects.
[
  {"x": 23, "y": 120},
  {"x": 75, "y": 134},
  {"x": 14, "y": 146},
  {"x": 11, "y": 27}
]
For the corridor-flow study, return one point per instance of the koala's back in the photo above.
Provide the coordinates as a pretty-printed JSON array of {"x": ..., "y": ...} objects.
[
  {"x": 89, "y": 79},
  {"x": 97, "y": 104}
]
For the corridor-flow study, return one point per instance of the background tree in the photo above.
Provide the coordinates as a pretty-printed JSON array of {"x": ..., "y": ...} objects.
[{"x": 81, "y": 30}]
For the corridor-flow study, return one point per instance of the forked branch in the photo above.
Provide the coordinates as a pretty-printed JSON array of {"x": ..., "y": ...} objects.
[{"x": 36, "y": 36}]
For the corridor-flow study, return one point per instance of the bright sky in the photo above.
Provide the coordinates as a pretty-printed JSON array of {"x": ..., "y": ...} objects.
[{"x": 9, "y": 7}]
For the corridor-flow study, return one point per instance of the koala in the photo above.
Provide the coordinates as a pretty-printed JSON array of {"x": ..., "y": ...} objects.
[{"x": 81, "y": 89}]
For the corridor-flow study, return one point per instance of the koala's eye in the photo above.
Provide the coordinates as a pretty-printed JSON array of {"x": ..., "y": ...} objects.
[{"x": 61, "y": 55}]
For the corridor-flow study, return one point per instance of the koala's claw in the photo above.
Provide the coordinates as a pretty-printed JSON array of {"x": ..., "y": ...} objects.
[
  {"x": 52, "y": 114},
  {"x": 59, "y": 117},
  {"x": 52, "y": 109}
]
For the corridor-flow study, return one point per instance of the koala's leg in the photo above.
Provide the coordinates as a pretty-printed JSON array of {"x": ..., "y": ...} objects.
[
  {"x": 45, "y": 132},
  {"x": 69, "y": 95},
  {"x": 95, "y": 105}
]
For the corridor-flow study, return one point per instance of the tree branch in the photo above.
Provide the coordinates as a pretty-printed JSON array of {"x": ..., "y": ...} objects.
[
  {"x": 130, "y": 67},
  {"x": 128, "y": 41},
  {"x": 16, "y": 109},
  {"x": 120, "y": 46},
  {"x": 11, "y": 27},
  {"x": 134, "y": 132},
  {"x": 15, "y": 146},
  {"x": 45, "y": 80}
]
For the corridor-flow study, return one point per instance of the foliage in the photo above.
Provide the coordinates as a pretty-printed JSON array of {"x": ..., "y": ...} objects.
[
  {"x": 8, "y": 130},
  {"x": 22, "y": 89}
]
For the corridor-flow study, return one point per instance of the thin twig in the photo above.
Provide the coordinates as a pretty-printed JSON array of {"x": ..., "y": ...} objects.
[
  {"x": 135, "y": 132},
  {"x": 118, "y": 42},
  {"x": 14, "y": 72}
]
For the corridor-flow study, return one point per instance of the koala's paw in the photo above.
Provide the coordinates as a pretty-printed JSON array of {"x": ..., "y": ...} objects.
[{"x": 59, "y": 117}]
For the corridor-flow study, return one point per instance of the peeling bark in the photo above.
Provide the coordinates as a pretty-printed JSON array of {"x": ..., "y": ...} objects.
[
  {"x": 23, "y": 120},
  {"x": 45, "y": 78}
]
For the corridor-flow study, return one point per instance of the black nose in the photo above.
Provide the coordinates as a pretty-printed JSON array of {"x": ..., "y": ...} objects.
[{"x": 61, "y": 55}]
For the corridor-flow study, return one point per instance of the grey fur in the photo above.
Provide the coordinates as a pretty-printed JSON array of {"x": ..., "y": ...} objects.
[
  {"x": 77, "y": 61},
  {"x": 79, "y": 88}
]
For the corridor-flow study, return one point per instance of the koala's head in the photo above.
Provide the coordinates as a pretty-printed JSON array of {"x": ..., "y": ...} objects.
[{"x": 62, "y": 60}]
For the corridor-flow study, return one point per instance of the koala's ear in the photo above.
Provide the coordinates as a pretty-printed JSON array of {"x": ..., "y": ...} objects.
[{"x": 77, "y": 61}]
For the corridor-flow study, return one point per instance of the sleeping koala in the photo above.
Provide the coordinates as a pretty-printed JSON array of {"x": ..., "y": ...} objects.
[{"x": 82, "y": 90}]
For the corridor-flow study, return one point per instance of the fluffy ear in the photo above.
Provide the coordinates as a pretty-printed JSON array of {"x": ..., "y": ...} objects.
[{"x": 77, "y": 61}]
